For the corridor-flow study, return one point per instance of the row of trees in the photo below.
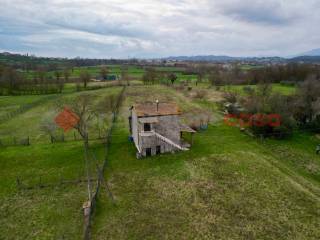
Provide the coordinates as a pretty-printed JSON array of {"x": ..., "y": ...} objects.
[
  {"x": 14, "y": 82},
  {"x": 219, "y": 75},
  {"x": 152, "y": 76},
  {"x": 32, "y": 63},
  {"x": 286, "y": 74},
  {"x": 299, "y": 111}
]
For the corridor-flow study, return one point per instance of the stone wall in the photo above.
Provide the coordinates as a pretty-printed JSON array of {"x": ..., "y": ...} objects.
[{"x": 167, "y": 126}]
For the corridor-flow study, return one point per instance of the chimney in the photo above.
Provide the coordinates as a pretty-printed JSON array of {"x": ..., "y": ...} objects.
[{"x": 157, "y": 102}]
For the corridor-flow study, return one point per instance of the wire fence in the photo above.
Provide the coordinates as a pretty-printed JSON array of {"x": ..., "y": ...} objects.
[
  {"x": 50, "y": 139},
  {"x": 43, "y": 182},
  {"x": 89, "y": 207},
  {"x": 24, "y": 108},
  {"x": 25, "y": 183}
]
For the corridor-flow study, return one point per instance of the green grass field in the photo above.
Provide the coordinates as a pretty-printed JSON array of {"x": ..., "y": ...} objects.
[
  {"x": 228, "y": 186},
  {"x": 278, "y": 88},
  {"x": 53, "y": 212},
  {"x": 28, "y": 124},
  {"x": 43, "y": 213},
  {"x": 135, "y": 72}
]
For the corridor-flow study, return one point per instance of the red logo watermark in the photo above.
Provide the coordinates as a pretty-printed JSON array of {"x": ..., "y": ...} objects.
[
  {"x": 67, "y": 119},
  {"x": 249, "y": 120}
]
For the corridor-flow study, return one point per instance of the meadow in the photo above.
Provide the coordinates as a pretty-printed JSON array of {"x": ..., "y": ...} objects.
[
  {"x": 47, "y": 204},
  {"x": 43, "y": 212},
  {"x": 276, "y": 87},
  {"x": 228, "y": 186},
  {"x": 28, "y": 124},
  {"x": 135, "y": 72}
]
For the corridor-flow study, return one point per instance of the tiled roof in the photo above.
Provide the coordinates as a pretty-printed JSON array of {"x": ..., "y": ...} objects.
[
  {"x": 186, "y": 128},
  {"x": 151, "y": 109}
]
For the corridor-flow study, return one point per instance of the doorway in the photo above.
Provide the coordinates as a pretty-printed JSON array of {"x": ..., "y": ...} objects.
[
  {"x": 158, "y": 149},
  {"x": 148, "y": 152},
  {"x": 147, "y": 127}
]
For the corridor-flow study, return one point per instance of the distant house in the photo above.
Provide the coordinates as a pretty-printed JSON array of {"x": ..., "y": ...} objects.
[
  {"x": 109, "y": 77},
  {"x": 155, "y": 128}
]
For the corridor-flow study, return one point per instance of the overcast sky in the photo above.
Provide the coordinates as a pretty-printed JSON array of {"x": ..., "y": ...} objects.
[{"x": 157, "y": 28}]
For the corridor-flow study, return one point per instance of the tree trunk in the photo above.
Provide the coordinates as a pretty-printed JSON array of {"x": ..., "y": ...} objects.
[{"x": 86, "y": 158}]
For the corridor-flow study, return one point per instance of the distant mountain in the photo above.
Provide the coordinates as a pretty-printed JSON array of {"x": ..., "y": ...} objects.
[
  {"x": 214, "y": 58},
  {"x": 306, "y": 59},
  {"x": 262, "y": 60},
  {"x": 313, "y": 52},
  {"x": 206, "y": 58}
]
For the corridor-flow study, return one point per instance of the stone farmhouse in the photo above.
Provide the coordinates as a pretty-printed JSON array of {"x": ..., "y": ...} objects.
[{"x": 155, "y": 128}]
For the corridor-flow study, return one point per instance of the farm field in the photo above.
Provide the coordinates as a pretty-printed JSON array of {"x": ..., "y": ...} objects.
[
  {"x": 52, "y": 207},
  {"x": 228, "y": 186},
  {"x": 52, "y": 212},
  {"x": 28, "y": 124},
  {"x": 159, "y": 120},
  {"x": 135, "y": 72}
]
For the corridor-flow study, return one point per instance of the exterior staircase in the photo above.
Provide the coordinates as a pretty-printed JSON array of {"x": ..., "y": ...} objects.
[{"x": 168, "y": 141}]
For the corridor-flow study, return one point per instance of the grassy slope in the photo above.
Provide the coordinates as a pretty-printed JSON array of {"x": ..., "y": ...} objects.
[
  {"x": 9, "y": 104},
  {"x": 44, "y": 213},
  {"x": 28, "y": 123},
  {"x": 227, "y": 187},
  {"x": 298, "y": 154}
]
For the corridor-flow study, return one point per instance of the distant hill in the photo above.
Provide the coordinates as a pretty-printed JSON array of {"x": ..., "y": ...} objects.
[
  {"x": 313, "y": 52},
  {"x": 209, "y": 58},
  {"x": 20, "y": 61},
  {"x": 213, "y": 58},
  {"x": 274, "y": 60},
  {"x": 306, "y": 59}
]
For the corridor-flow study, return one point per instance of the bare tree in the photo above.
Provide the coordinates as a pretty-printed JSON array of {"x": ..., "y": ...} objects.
[
  {"x": 104, "y": 71},
  {"x": 102, "y": 109},
  {"x": 49, "y": 127},
  {"x": 172, "y": 77},
  {"x": 150, "y": 76},
  {"x": 59, "y": 80},
  {"x": 307, "y": 99},
  {"x": 125, "y": 75},
  {"x": 66, "y": 74},
  {"x": 216, "y": 79},
  {"x": 84, "y": 109},
  {"x": 85, "y": 77}
]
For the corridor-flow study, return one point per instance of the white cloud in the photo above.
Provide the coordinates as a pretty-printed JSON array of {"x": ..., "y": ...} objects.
[{"x": 121, "y": 28}]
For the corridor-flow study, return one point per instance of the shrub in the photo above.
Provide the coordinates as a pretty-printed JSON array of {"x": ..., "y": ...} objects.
[{"x": 200, "y": 94}]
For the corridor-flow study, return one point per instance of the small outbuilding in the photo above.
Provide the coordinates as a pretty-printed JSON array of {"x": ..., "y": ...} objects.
[{"x": 155, "y": 128}]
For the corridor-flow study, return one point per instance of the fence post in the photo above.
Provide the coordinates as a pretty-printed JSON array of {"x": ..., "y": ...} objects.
[
  {"x": 40, "y": 185},
  {"x": 18, "y": 183},
  {"x": 87, "y": 214},
  {"x": 261, "y": 137}
]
